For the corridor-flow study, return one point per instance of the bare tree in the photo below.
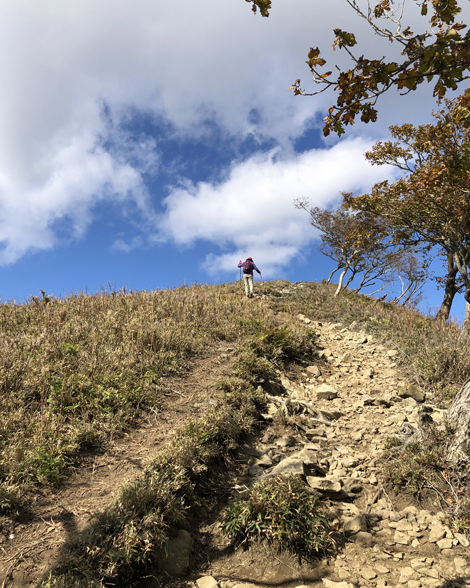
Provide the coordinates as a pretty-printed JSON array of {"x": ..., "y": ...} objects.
[{"x": 358, "y": 244}]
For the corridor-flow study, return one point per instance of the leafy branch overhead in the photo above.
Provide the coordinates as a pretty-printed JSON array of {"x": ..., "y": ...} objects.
[
  {"x": 439, "y": 53},
  {"x": 430, "y": 203}
]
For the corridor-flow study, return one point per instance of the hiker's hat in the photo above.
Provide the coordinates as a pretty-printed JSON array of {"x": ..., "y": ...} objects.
[{"x": 249, "y": 258}]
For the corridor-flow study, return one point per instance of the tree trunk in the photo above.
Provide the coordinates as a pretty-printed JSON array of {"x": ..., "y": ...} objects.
[
  {"x": 340, "y": 283},
  {"x": 450, "y": 290},
  {"x": 458, "y": 417},
  {"x": 466, "y": 320}
]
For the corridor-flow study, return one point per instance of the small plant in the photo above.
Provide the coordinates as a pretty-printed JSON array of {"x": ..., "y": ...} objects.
[
  {"x": 282, "y": 510},
  {"x": 412, "y": 469},
  {"x": 461, "y": 525},
  {"x": 9, "y": 501}
]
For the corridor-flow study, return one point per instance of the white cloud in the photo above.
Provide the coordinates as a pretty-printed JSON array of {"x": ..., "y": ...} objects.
[
  {"x": 252, "y": 211},
  {"x": 184, "y": 62}
]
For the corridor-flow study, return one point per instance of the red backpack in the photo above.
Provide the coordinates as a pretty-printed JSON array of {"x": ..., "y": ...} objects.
[{"x": 248, "y": 267}]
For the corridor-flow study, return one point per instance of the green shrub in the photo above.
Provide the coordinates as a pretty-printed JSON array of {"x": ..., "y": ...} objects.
[{"x": 281, "y": 510}]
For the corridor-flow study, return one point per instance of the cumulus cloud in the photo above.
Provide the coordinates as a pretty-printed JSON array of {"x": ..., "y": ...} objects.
[
  {"x": 252, "y": 213},
  {"x": 74, "y": 74}
]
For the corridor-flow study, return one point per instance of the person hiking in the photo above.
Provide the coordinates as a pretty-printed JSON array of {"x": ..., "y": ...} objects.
[{"x": 248, "y": 267}]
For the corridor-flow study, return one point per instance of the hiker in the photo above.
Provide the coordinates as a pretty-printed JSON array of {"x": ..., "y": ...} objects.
[{"x": 248, "y": 267}]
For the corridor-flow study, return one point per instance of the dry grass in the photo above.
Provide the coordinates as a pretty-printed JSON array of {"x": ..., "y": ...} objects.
[
  {"x": 78, "y": 369},
  {"x": 433, "y": 353}
]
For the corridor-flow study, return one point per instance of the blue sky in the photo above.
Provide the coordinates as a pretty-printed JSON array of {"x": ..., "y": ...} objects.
[{"x": 149, "y": 144}]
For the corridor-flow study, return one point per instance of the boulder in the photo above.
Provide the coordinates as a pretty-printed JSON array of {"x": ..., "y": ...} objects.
[
  {"x": 411, "y": 391},
  {"x": 313, "y": 371},
  {"x": 207, "y": 582},
  {"x": 174, "y": 559},
  {"x": 324, "y": 485},
  {"x": 326, "y": 392},
  {"x": 355, "y": 525}
]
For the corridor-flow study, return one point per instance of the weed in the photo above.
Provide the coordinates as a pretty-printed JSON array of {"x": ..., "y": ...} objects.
[
  {"x": 127, "y": 537},
  {"x": 281, "y": 510},
  {"x": 9, "y": 501},
  {"x": 412, "y": 468}
]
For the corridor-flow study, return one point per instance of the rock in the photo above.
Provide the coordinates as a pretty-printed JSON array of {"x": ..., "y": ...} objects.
[
  {"x": 430, "y": 572},
  {"x": 363, "y": 538},
  {"x": 324, "y": 485},
  {"x": 326, "y": 392},
  {"x": 381, "y": 583},
  {"x": 207, "y": 582},
  {"x": 403, "y": 525},
  {"x": 382, "y": 569},
  {"x": 174, "y": 560},
  {"x": 289, "y": 466},
  {"x": 392, "y": 353},
  {"x": 414, "y": 584},
  {"x": 402, "y": 538},
  {"x": 460, "y": 564},
  {"x": 444, "y": 543},
  {"x": 438, "y": 531},
  {"x": 330, "y": 584},
  {"x": 368, "y": 574},
  {"x": 418, "y": 564},
  {"x": 355, "y": 525},
  {"x": 462, "y": 539},
  {"x": 411, "y": 391},
  {"x": 313, "y": 371},
  {"x": 406, "y": 574}
]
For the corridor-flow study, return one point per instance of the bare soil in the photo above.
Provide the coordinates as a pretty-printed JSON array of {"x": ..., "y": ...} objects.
[{"x": 30, "y": 546}]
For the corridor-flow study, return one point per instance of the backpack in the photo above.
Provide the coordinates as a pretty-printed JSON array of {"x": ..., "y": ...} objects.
[{"x": 248, "y": 267}]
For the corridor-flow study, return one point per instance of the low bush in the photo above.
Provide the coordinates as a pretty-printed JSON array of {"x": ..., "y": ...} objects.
[
  {"x": 124, "y": 540},
  {"x": 282, "y": 510}
]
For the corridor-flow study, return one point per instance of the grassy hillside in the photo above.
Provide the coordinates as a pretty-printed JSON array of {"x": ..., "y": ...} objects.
[{"x": 74, "y": 371}]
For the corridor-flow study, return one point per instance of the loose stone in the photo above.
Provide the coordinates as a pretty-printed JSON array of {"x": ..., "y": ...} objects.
[
  {"x": 402, "y": 538},
  {"x": 382, "y": 569},
  {"x": 445, "y": 544},
  {"x": 437, "y": 533},
  {"x": 368, "y": 574},
  {"x": 355, "y": 525},
  {"x": 407, "y": 574},
  {"x": 207, "y": 582}
]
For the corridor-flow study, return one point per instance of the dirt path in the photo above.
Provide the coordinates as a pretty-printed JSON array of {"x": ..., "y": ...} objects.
[{"x": 29, "y": 548}]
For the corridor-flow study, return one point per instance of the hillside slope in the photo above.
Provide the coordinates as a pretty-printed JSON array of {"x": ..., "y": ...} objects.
[{"x": 334, "y": 371}]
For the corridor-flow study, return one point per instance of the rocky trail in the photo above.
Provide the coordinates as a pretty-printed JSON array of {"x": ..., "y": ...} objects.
[
  {"x": 327, "y": 422},
  {"x": 357, "y": 399}
]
